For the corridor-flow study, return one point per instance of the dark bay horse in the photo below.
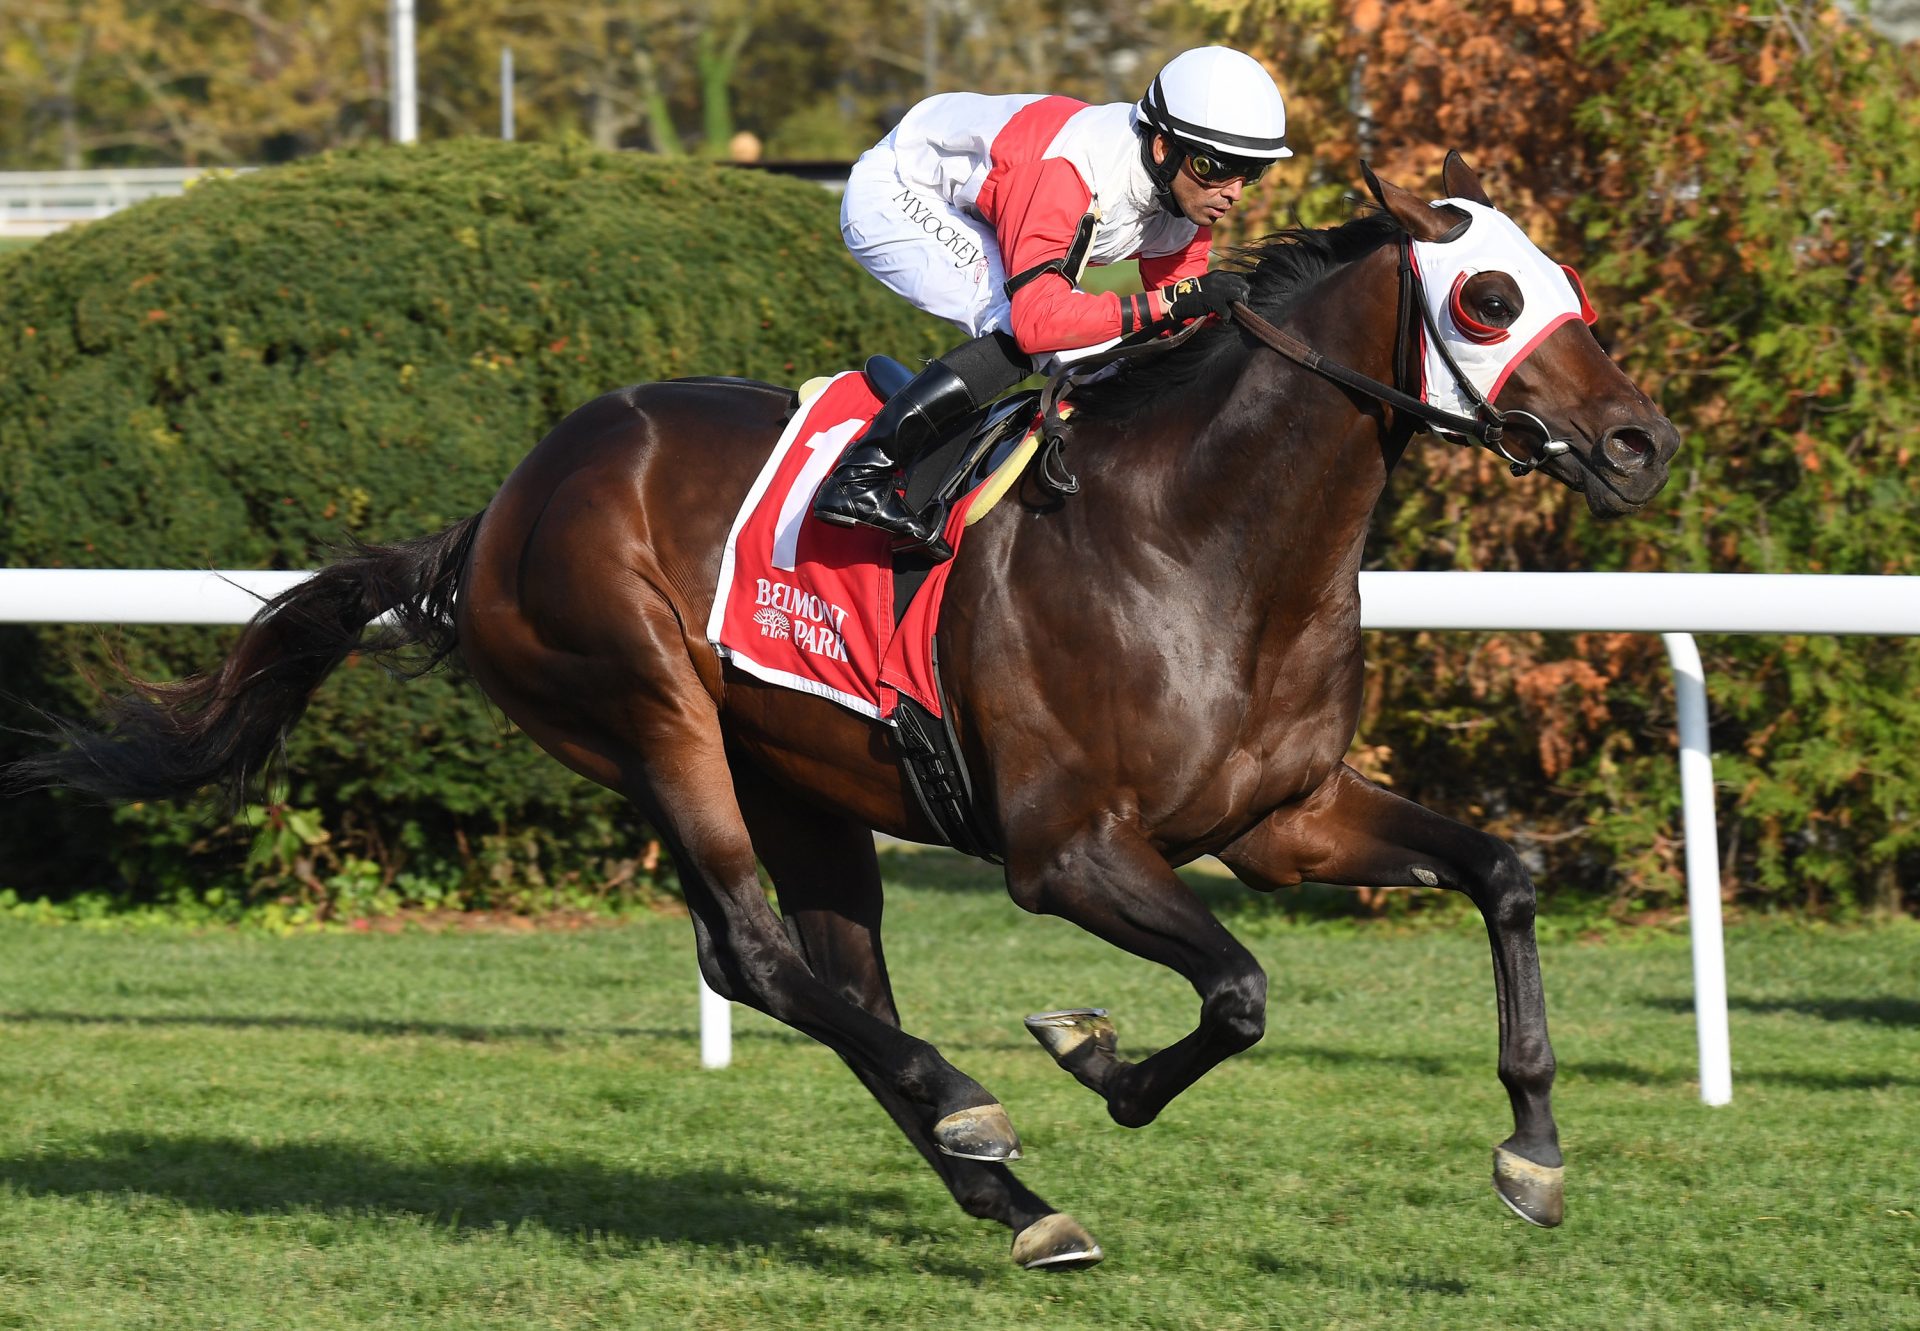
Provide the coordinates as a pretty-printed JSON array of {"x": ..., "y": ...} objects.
[{"x": 1164, "y": 666}]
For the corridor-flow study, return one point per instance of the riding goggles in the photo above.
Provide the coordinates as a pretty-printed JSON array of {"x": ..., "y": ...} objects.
[{"x": 1212, "y": 168}]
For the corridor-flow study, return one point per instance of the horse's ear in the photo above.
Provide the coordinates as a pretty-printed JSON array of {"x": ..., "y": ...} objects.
[
  {"x": 1373, "y": 185},
  {"x": 1461, "y": 181},
  {"x": 1421, "y": 219}
]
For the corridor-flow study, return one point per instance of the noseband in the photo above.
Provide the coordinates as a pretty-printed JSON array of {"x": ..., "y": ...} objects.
[{"x": 1487, "y": 426}]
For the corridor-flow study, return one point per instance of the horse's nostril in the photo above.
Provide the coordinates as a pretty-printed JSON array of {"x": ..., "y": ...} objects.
[{"x": 1628, "y": 448}]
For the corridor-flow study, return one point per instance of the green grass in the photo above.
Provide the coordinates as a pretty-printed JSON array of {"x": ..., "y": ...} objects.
[{"x": 226, "y": 1129}]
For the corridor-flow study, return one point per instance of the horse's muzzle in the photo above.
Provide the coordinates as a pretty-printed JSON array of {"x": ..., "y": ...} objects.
[{"x": 1628, "y": 466}]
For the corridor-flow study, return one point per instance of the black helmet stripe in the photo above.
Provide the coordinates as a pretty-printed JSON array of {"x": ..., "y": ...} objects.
[{"x": 1156, "y": 104}]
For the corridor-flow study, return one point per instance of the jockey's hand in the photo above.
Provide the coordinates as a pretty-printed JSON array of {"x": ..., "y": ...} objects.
[{"x": 1209, "y": 293}]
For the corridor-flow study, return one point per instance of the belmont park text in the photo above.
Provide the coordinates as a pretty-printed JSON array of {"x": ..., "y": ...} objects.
[{"x": 824, "y": 640}]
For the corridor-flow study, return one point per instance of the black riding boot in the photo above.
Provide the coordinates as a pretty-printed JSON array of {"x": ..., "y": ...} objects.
[{"x": 862, "y": 491}]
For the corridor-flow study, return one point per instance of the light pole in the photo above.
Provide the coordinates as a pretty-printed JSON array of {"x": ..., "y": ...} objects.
[
  {"x": 506, "y": 93},
  {"x": 405, "y": 117}
]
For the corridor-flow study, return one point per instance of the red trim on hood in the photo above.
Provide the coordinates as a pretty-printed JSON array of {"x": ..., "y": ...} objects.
[
  {"x": 1525, "y": 352},
  {"x": 1587, "y": 316}
]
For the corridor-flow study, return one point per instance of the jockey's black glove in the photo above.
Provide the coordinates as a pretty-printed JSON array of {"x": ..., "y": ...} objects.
[{"x": 1209, "y": 293}]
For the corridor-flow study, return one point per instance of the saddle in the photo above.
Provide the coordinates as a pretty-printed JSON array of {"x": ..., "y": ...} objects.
[{"x": 970, "y": 452}]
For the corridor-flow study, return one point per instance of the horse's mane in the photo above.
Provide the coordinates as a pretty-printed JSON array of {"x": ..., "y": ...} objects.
[{"x": 1282, "y": 267}]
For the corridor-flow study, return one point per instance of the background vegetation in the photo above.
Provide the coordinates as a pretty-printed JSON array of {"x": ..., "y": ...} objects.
[
  {"x": 362, "y": 346},
  {"x": 1736, "y": 180},
  {"x": 213, "y": 82}
]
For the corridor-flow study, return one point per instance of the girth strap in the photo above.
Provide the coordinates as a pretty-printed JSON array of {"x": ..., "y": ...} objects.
[{"x": 937, "y": 772}]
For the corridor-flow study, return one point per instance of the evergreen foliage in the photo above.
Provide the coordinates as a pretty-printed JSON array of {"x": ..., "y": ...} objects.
[
  {"x": 1737, "y": 183},
  {"x": 362, "y": 346},
  {"x": 1761, "y": 239}
]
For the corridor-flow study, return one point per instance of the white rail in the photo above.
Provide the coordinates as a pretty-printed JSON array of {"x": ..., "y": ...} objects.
[
  {"x": 1675, "y": 605},
  {"x": 35, "y": 203},
  {"x": 1642, "y": 602}
]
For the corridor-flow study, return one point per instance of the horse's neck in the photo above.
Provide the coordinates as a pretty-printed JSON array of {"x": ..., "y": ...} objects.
[{"x": 1289, "y": 470}]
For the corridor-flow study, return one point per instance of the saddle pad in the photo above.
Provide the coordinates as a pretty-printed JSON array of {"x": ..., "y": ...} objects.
[{"x": 809, "y": 605}]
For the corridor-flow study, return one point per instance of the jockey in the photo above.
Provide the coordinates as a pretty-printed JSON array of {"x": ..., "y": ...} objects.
[{"x": 986, "y": 210}]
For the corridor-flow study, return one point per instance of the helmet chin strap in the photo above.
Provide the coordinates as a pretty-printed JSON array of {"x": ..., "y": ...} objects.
[{"x": 1160, "y": 173}]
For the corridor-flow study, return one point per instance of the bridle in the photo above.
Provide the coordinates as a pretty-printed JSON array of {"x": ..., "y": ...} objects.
[{"x": 1487, "y": 426}]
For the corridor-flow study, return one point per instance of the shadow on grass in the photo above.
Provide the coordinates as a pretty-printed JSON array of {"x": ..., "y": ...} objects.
[
  {"x": 1810, "y": 1079},
  {"x": 444, "y": 1030},
  {"x": 1328, "y": 1056},
  {"x": 1829, "y": 1081},
  {"x": 578, "y": 1199},
  {"x": 1885, "y": 1010},
  {"x": 1606, "y": 1069},
  {"x": 938, "y": 869}
]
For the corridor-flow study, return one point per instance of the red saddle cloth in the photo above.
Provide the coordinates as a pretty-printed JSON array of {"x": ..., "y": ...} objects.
[{"x": 810, "y": 605}]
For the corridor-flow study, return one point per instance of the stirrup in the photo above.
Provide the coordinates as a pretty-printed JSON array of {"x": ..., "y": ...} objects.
[
  {"x": 906, "y": 540},
  {"x": 934, "y": 549}
]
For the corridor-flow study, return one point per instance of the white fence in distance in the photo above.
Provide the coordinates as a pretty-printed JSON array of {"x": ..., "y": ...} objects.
[
  {"x": 1675, "y": 605},
  {"x": 37, "y": 203}
]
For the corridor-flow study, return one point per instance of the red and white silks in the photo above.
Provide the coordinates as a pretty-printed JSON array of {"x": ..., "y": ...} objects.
[{"x": 969, "y": 189}]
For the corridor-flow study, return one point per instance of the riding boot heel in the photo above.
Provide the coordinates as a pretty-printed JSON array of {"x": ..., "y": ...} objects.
[{"x": 863, "y": 490}]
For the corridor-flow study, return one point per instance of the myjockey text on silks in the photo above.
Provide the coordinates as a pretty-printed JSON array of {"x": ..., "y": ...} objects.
[
  {"x": 944, "y": 233},
  {"x": 814, "y": 623}
]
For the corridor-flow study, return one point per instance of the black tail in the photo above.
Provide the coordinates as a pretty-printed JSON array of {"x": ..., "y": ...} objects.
[{"x": 166, "y": 741}]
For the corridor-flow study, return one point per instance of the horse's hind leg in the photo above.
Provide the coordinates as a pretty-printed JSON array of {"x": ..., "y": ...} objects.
[
  {"x": 746, "y": 955},
  {"x": 828, "y": 881},
  {"x": 1351, "y": 832},
  {"x": 636, "y": 717}
]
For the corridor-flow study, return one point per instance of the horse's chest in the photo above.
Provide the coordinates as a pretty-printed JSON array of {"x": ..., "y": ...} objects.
[{"x": 1246, "y": 751}]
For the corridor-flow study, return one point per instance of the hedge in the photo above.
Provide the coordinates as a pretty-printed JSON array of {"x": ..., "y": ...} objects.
[{"x": 362, "y": 346}]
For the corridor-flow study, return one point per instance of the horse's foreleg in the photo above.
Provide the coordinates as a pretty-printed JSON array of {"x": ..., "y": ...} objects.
[
  {"x": 1110, "y": 882},
  {"x": 1353, "y": 833},
  {"x": 828, "y": 881}
]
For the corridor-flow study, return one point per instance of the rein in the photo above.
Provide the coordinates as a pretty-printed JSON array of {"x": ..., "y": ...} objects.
[
  {"x": 1053, "y": 473},
  {"x": 1487, "y": 426}
]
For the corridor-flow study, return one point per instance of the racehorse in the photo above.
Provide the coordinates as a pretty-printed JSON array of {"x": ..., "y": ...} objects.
[{"x": 1164, "y": 666}]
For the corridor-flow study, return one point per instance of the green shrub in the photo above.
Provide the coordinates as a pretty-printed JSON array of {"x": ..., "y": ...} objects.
[{"x": 363, "y": 345}]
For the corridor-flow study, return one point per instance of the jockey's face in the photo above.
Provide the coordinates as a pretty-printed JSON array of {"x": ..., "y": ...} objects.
[{"x": 1200, "y": 203}]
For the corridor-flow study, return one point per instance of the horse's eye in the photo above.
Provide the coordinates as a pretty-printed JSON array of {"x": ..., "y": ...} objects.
[{"x": 1482, "y": 314}]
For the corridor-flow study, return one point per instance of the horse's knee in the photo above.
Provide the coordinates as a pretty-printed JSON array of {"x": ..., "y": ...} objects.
[
  {"x": 1237, "y": 1010},
  {"x": 1504, "y": 890}
]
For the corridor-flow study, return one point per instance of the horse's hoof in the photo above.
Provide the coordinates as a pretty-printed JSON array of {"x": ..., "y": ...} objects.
[
  {"x": 1534, "y": 1192},
  {"x": 981, "y": 1133},
  {"x": 1055, "y": 1243},
  {"x": 1064, "y": 1033}
]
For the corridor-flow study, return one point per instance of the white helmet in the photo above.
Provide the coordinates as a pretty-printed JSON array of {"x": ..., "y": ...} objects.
[{"x": 1214, "y": 97}]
